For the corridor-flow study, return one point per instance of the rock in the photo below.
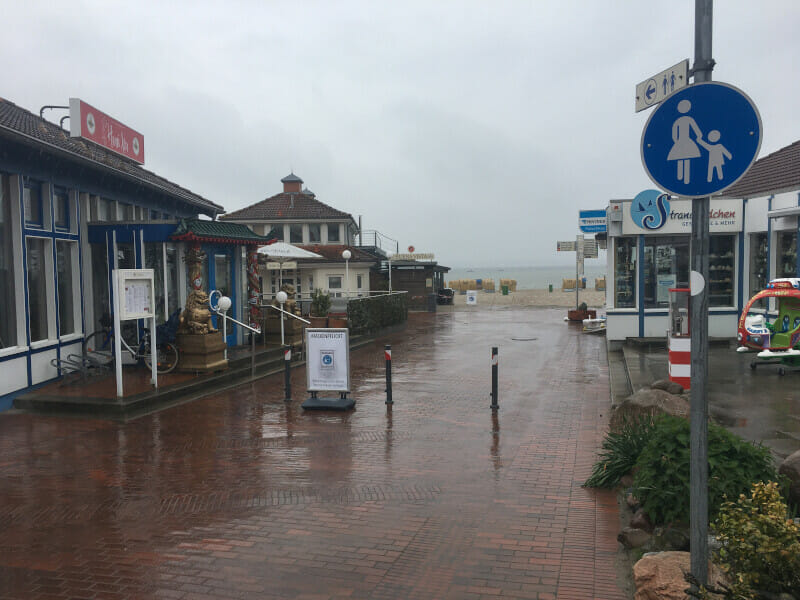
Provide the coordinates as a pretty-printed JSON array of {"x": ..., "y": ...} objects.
[
  {"x": 659, "y": 576},
  {"x": 632, "y": 501},
  {"x": 668, "y": 386},
  {"x": 640, "y": 520},
  {"x": 722, "y": 416},
  {"x": 630, "y": 537},
  {"x": 670, "y": 538},
  {"x": 646, "y": 403},
  {"x": 790, "y": 467}
]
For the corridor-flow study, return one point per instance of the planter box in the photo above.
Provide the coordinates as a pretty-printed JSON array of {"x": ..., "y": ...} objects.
[
  {"x": 318, "y": 322},
  {"x": 580, "y": 315},
  {"x": 201, "y": 353}
]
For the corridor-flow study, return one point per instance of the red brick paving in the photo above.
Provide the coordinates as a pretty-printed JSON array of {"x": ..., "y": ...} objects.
[{"x": 238, "y": 495}]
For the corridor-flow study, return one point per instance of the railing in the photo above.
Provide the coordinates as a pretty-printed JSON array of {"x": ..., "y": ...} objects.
[
  {"x": 378, "y": 240},
  {"x": 225, "y": 318}
]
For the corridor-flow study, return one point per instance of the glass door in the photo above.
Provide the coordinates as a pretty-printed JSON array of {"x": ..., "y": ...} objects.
[{"x": 222, "y": 277}]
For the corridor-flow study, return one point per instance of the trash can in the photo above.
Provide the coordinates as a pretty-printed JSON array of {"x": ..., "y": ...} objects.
[
  {"x": 504, "y": 288},
  {"x": 431, "y": 303},
  {"x": 551, "y": 288}
]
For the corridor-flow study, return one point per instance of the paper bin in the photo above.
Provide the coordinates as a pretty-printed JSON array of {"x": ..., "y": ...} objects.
[{"x": 504, "y": 288}]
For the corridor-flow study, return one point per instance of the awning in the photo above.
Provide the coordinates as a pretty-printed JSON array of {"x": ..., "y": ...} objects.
[
  {"x": 216, "y": 232},
  {"x": 791, "y": 211}
]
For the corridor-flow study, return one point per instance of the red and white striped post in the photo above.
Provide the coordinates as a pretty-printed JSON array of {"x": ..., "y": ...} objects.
[
  {"x": 679, "y": 338},
  {"x": 287, "y": 373}
]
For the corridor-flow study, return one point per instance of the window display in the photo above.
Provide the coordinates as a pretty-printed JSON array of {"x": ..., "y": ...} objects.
[
  {"x": 787, "y": 254},
  {"x": 758, "y": 262},
  {"x": 720, "y": 270},
  {"x": 625, "y": 273},
  {"x": 666, "y": 265}
]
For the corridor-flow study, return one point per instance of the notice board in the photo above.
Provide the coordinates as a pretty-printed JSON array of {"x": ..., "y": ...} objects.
[
  {"x": 135, "y": 294},
  {"x": 328, "y": 360}
]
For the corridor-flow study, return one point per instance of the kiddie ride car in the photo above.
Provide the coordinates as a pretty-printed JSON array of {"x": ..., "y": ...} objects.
[{"x": 777, "y": 342}]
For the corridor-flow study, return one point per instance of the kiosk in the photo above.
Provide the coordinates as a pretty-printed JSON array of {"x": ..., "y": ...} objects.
[{"x": 679, "y": 339}]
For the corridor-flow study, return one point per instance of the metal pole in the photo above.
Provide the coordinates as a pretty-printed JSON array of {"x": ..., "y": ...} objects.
[
  {"x": 252, "y": 354},
  {"x": 387, "y": 351},
  {"x": 282, "y": 318},
  {"x": 390, "y": 275},
  {"x": 287, "y": 373},
  {"x": 225, "y": 334},
  {"x": 577, "y": 258},
  {"x": 698, "y": 318},
  {"x": 494, "y": 378}
]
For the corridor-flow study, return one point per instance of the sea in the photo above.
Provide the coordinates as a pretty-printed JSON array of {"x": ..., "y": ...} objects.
[{"x": 528, "y": 278}]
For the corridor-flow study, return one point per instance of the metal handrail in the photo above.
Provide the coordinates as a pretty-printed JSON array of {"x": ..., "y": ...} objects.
[
  {"x": 225, "y": 316},
  {"x": 286, "y": 312}
]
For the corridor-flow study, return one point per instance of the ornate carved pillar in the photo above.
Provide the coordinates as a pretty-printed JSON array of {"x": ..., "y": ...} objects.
[
  {"x": 194, "y": 260},
  {"x": 253, "y": 289}
]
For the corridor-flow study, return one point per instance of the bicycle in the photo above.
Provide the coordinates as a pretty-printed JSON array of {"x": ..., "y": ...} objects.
[{"x": 100, "y": 345}]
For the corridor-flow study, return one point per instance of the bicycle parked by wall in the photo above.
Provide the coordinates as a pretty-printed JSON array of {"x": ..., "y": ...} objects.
[{"x": 100, "y": 345}]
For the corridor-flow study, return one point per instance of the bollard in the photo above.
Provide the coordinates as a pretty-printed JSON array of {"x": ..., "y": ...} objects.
[
  {"x": 287, "y": 377},
  {"x": 494, "y": 378},
  {"x": 387, "y": 350}
]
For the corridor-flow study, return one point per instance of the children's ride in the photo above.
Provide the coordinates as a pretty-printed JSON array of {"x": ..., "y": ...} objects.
[{"x": 777, "y": 341}]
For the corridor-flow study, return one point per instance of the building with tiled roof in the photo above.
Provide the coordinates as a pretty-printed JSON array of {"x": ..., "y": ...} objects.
[
  {"x": 776, "y": 173},
  {"x": 299, "y": 216}
]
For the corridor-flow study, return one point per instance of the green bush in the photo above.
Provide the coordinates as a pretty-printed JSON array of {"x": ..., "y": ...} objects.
[
  {"x": 372, "y": 313},
  {"x": 320, "y": 303},
  {"x": 760, "y": 544},
  {"x": 620, "y": 451},
  {"x": 661, "y": 482}
]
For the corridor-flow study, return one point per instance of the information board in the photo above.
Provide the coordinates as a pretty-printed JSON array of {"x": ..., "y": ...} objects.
[
  {"x": 328, "y": 360},
  {"x": 136, "y": 293}
]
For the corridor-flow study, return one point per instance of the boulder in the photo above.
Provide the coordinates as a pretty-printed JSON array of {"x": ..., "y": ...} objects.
[
  {"x": 632, "y": 501},
  {"x": 647, "y": 403},
  {"x": 790, "y": 467},
  {"x": 671, "y": 537},
  {"x": 640, "y": 520},
  {"x": 668, "y": 386},
  {"x": 630, "y": 537},
  {"x": 659, "y": 576}
]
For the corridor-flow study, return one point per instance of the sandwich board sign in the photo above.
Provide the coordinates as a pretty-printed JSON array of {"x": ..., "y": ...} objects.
[
  {"x": 328, "y": 368},
  {"x": 701, "y": 139}
]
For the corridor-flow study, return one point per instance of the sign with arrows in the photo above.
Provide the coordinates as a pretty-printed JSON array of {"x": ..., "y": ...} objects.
[{"x": 653, "y": 90}]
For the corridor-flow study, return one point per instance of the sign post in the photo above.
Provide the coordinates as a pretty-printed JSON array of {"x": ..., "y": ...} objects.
[{"x": 699, "y": 141}]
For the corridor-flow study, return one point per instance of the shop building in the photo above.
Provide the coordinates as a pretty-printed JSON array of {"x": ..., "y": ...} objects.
[
  {"x": 71, "y": 210},
  {"x": 753, "y": 230}
]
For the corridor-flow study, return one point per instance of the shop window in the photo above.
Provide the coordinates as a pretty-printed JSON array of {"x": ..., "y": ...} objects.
[
  {"x": 295, "y": 234},
  {"x": 173, "y": 291},
  {"x": 155, "y": 215},
  {"x": 127, "y": 212},
  {"x": 666, "y": 265},
  {"x": 8, "y": 300},
  {"x": 625, "y": 273},
  {"x": 787, "y": 254},
  {"x": 721, "y": 259},
  {"x": 358, "y": 282},
  {"x": 38, "y": 253},
  {"x": 61, "y": 218},
  {"x": 314, "y": 234},
  {"x": 102, "y": 210},
  {"x": 759, "y": 270},
  {"x": 333, "y": 232},
  {"x": 32, "y": 201},
  {"x": 67, "y": 269},
  {"x": 101, "y": 297},
  {"x": 335, "y": 285},
  {"x": 154, "y": 259}
]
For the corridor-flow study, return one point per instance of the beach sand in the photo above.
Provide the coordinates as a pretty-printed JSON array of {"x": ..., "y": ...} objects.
[{"x": 557, "y": 298}]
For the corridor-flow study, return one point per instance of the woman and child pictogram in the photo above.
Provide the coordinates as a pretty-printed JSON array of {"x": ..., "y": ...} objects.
[{"x": 684, "y": 148}]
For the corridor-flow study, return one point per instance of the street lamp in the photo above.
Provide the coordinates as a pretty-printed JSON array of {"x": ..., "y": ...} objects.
[
  {"x": 389, "y": 258},
  {"x": 281, "y": 297},
  {"x": 346, "y": 256}
]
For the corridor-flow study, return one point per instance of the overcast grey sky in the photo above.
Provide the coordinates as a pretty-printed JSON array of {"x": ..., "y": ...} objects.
[{"x": 474, "y": 130}]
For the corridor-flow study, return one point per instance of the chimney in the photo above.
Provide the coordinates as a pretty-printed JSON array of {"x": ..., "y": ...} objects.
[{"x": 292, "y": 184}]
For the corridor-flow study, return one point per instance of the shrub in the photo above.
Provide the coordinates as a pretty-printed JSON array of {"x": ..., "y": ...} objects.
[
  {"x": 661, "y": 482},
  {"x": 370, "y": 314},
  {"x": 620, "y": 451},
  {"x": 320, "y": 303},
  {"x": 760, "y": 544}
]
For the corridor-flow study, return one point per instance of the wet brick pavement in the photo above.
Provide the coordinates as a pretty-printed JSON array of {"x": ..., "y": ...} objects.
[{"x": 239, "y": 495}]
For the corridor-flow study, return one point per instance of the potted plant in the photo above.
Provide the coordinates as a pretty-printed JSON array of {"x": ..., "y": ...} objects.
[
  {"x": 581, "y": 313},
  {"x": 320, "y": 305}
]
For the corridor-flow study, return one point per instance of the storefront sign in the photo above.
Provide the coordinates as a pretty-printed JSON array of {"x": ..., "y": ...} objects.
[
  {"x": 328, "y": 360},
  {"x": 418, "y": 256},
  {"x": 91, "y": 124},
  {"x": 287, "y": 266},
  {"x": 657, "y": 214},
  {"x": 592, "y": 221}
]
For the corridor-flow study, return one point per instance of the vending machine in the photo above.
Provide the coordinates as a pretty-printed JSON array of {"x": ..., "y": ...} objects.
[{"x": 679, "y": 338}]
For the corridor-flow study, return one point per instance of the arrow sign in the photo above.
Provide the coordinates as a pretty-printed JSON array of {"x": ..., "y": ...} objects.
[
  {"x": 654, "y": 89},
  {"x": 701, "y": 140},
  {"x": 651, "y": 89}
]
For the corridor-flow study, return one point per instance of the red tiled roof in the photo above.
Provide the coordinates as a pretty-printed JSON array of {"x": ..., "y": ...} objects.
[
  {"x": 23, "y": 126},
  {"x": 287, "y": 206},
  {"x": 333, "y": 253},
  {"x": 776, "y": 173}
]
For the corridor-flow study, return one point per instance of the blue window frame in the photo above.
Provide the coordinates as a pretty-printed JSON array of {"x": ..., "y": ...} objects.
[
  {"x": 32, "y": 201},
  {"x": 61, "y": 209}
]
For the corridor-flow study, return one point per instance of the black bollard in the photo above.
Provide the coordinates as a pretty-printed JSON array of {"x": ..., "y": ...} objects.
[
  {"x": 287, "y": 373},
  {"x": 387, "y": 350},
  {"x": 494, "y": 378}
]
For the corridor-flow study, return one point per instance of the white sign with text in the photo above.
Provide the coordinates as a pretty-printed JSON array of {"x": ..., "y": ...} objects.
[{"x": 328, "y": 360}]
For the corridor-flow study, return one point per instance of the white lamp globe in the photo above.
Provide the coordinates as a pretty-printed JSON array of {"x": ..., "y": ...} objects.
[
  {"x": 281, "y": 297},
  {"x": 346, "y": 254},
  {"x": 224, "y": 303}
]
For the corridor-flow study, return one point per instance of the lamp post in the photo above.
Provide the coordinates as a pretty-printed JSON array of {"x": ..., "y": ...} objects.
[
  {"x": 281, "y": 297},
  {"x": 224, "y": 305},
  {"x": 389, "y": 258},
  {"x": 346, "y": 256}
]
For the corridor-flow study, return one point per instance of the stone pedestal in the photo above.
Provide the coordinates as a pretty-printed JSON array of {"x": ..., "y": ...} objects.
[
  {"x": 292, "y": 331},
  {"x": 201, "y": 352}
]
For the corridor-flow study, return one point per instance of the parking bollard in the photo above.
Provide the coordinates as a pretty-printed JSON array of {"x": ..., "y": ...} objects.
[
  {"x": 387, "y": 350},
  {"x": 287, "y": 377},
  {"x": 494, "y": 378}
]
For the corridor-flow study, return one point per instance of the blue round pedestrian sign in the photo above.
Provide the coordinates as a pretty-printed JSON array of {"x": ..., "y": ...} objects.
[{"x": 701, "y": 139}]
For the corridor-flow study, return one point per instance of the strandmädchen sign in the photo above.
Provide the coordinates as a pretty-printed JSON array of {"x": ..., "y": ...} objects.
[{"x": 417, "y": 256}]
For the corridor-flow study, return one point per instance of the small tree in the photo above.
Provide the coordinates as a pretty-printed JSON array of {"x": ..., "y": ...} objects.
[{"x": 320, "y": 303}]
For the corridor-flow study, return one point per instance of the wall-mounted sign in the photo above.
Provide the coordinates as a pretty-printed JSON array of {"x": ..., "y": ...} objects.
[
  {"x": 565, "y": 246},
  {"x": 592, "y": 221},
  {"x": 653, "y": 90},
  {"x": 418, "y": 256},
  {"x": 287, "y": 266},
  {"x": 411, "y": 248},
  {"x": 89, "y": 123},
  {"x": 655, "y": 212},
  {"x": 327, "y": 360}
]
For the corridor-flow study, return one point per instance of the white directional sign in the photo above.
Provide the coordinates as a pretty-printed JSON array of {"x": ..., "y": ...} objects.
[{"x": 652, "y": 91}]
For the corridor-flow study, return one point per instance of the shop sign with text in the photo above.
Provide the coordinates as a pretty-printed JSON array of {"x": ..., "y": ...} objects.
[
  {"x": 675, "y": 216},
  {"x": 87, "y": 122}
]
